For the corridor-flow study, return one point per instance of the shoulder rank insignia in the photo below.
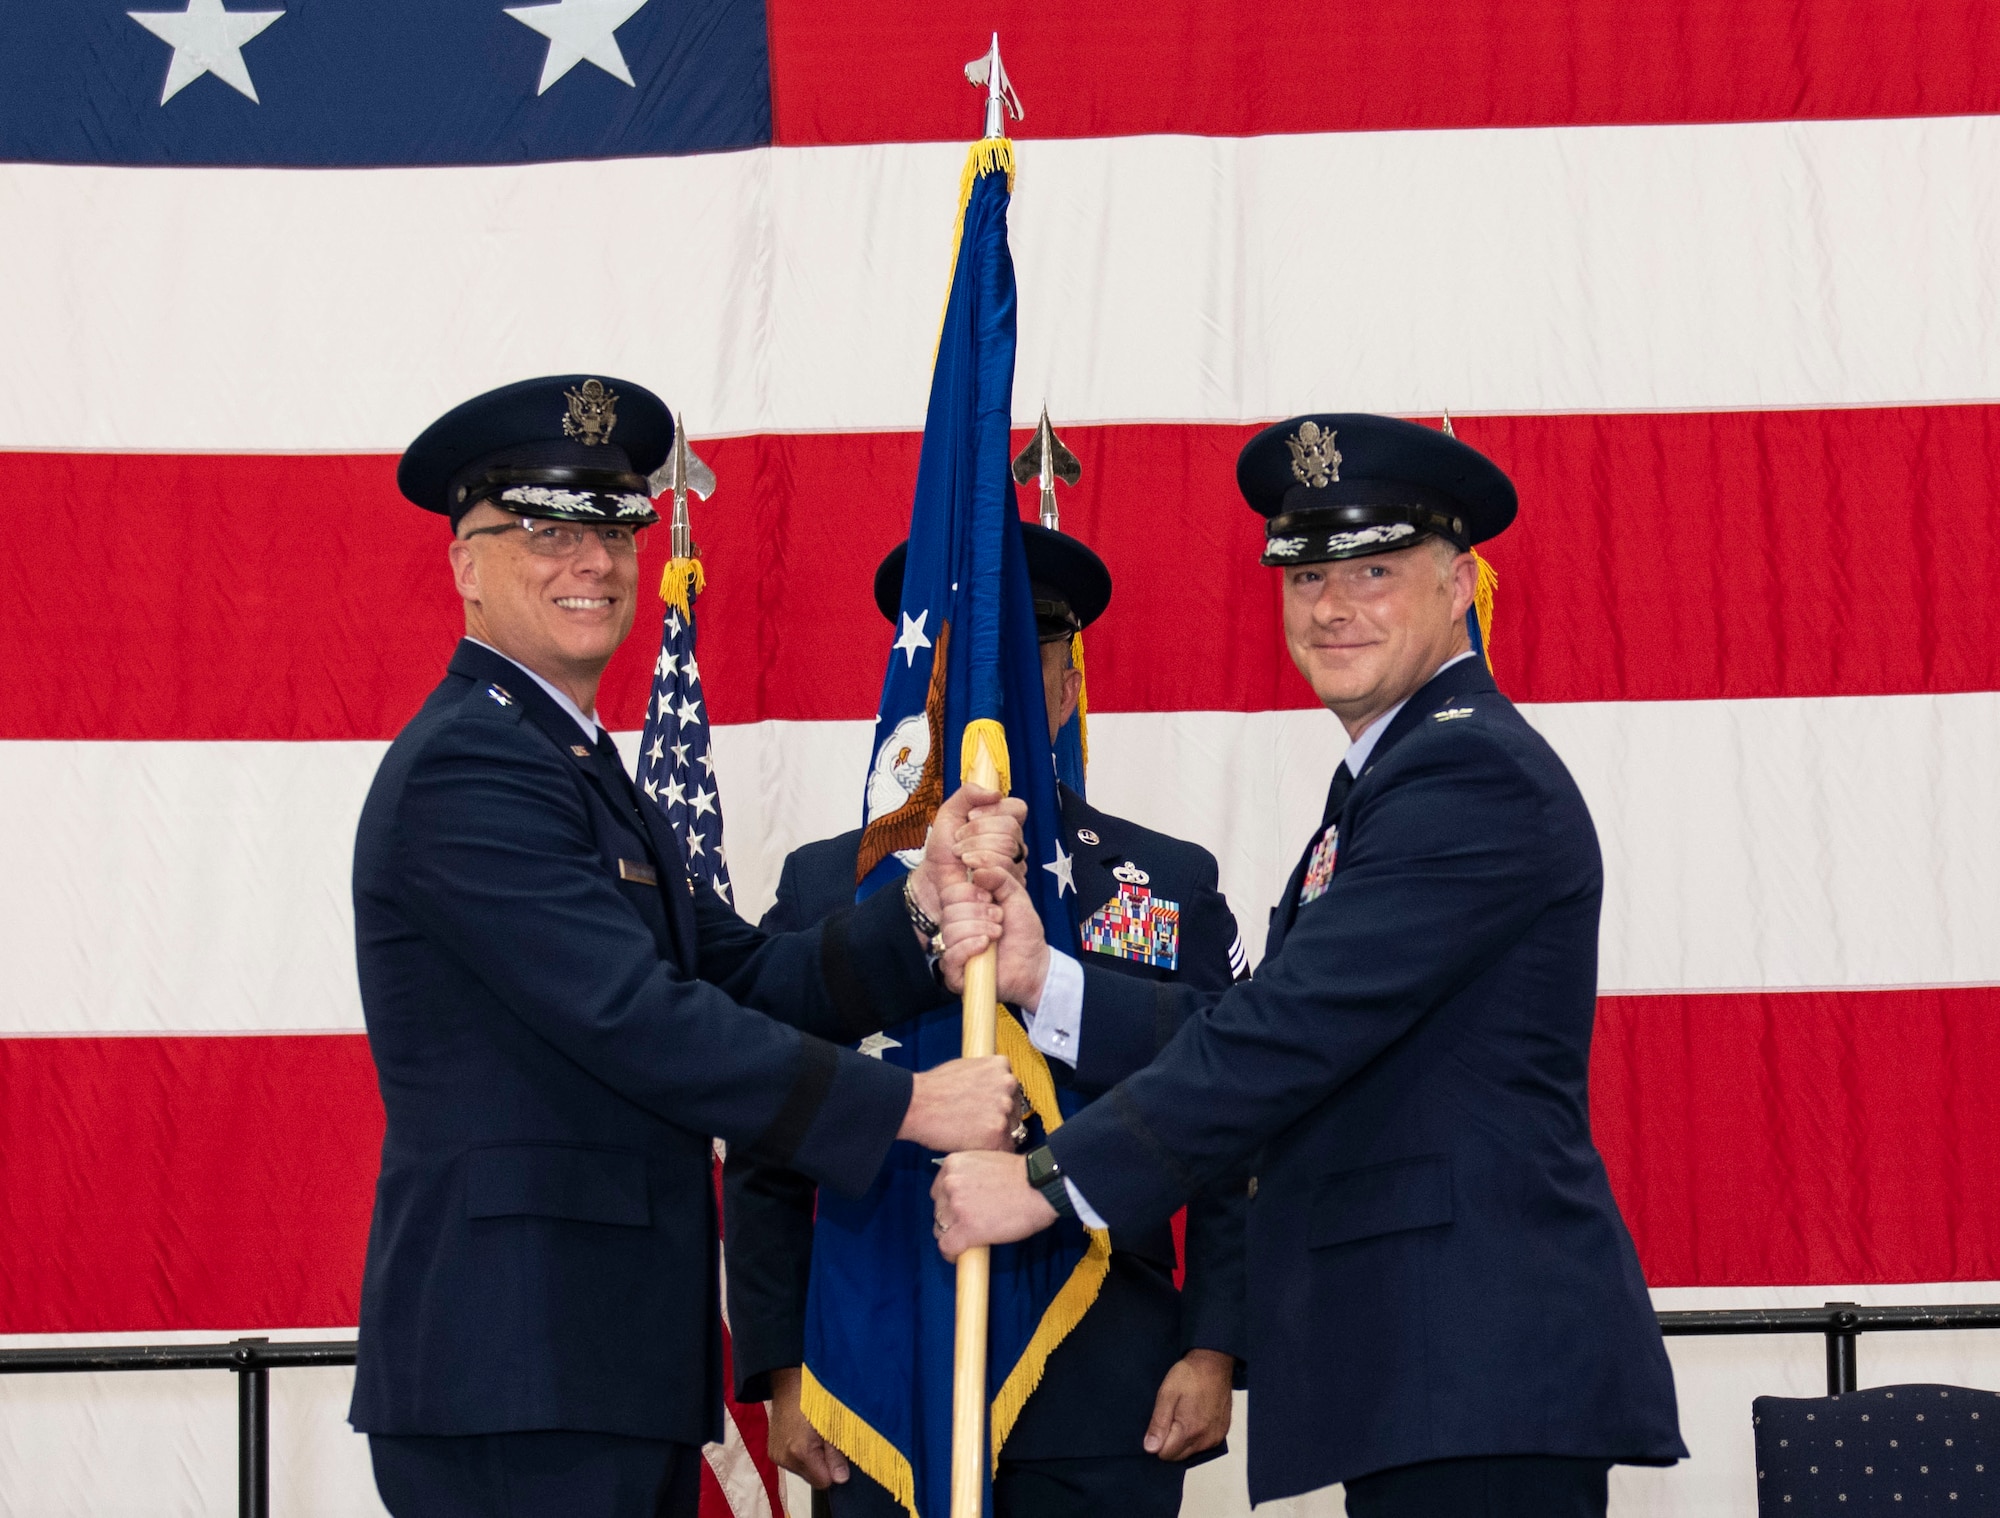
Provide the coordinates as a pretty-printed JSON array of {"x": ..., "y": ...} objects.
[
  {"x": 498, "y": 696},
  {"x": 1085, "y": 835},
  {"x": 593, "y": 412},
  {"x": 1451, "y": 713},
  {"x": 1319, "y": 869},
  {"x": 1135, "y": 924}
]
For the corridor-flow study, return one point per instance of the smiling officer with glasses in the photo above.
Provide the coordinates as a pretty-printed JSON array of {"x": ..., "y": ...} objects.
[{"x": 559, "y": 1022}]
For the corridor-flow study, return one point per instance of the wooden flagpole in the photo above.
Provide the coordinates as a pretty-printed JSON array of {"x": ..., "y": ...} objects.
[{"x": 980, "y": 1018}]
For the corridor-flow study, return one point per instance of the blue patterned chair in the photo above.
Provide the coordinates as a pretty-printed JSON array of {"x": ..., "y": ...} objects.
[{"x": 1890, "y": 1451}]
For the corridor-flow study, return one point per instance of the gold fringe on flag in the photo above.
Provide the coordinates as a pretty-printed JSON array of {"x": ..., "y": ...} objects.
[
  {"x": 994, "y": 737},
  {"x": 1077, "y": 1294},
  {"x": 681, "y": 583},
  {"x": 851, "y": 1434},
  {"x": 1482, "y": 606},
  {"x": 1082, "y": 697},
  {"x": 987, "y": 156}
]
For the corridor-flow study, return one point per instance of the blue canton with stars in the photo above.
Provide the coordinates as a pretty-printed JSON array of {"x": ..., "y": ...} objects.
[
  {"x": 676, "y": 770},
  {"x": 380, "y": 83}
]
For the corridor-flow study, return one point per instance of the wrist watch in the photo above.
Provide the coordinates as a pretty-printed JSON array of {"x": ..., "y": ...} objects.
[
  {"x": 925, "y": 924},
  {"x": 1046, "y": 1176}
]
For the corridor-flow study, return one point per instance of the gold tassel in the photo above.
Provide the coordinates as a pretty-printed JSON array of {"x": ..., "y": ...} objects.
[
  {"x": 990, "y": 733},
  {"x": 1082, "y": 698},
  {"x": 1482, "y": 606},
  {"x": 681, "y": 583},
  {"x": 1077, "y": 1294},
  {"x": 850, "y": 1433}
]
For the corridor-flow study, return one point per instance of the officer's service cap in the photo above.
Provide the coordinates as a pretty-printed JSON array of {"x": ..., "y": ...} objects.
[
  {"x": 1346, "y": 484},
  {"x": 1071, "y": 585},
  {"x": 572, "y": 447}
]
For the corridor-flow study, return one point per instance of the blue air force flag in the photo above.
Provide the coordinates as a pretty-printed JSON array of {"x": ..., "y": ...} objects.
[{"x": 965, "y": 663}]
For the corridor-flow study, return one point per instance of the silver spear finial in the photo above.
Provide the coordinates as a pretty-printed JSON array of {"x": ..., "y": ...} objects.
[
  {"x": 1448, "y": 432},
  {"x": 987, "y": 70},
  {"x": 1046, "y": 459},
  {"x": 683, "y": 471}
]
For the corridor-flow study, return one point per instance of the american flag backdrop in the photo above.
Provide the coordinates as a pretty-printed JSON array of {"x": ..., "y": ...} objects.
[{"x": 1718, "y": 284}]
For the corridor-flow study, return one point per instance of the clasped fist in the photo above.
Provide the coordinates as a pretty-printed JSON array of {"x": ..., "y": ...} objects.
[{"x": 963, "y": 1104}]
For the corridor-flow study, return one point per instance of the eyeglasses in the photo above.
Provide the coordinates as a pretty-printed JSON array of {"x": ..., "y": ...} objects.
[{"x": 564, "y": 540}]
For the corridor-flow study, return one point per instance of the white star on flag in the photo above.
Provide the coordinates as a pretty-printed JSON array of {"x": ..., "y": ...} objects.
[
  {"x": 690, "y": 710},
  {"x": 703, "y": 802},
  {"x": 1063, "y": 871},
  {"x": 912, "y": 638},
  {"x": 659, "y": 749},
  {"x": 676, "y": 793},
  {"x": 694, "y": 843},
  {"x": 206, "y": 39},
  {"x": 679, "y": 750},
  {"x": 580, "y": 31}
]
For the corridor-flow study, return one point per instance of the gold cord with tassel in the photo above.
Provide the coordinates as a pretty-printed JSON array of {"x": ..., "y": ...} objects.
[
  {"x": 1482, "y": 605},
  {"x": 1082, "y": 698},
  {"x": 681, "y": 583}
]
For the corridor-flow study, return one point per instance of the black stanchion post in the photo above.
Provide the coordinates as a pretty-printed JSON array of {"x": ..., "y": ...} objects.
[
  {"x": 253, "y": 1433},
  {"x": 1843, "y": 1373}
]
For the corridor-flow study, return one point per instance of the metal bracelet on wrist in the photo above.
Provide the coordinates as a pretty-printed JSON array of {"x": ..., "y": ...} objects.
[{"x": 926, "y": 925}]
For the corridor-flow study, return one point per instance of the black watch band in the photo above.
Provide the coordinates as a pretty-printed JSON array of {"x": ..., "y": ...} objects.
[{"x": 1046, "y": 1176}]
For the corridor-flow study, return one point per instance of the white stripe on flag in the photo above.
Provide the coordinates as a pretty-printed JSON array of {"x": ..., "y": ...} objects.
[
  {"x": 1780, "y": 264},
  {"x": 1838, "y": 842}
]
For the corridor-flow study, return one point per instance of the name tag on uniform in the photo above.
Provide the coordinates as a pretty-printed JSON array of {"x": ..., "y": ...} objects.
[
  {"x": 1319, "y": 869},
  {"x": 639, "y": 874},
  {"x": 1135, "y": 924}
]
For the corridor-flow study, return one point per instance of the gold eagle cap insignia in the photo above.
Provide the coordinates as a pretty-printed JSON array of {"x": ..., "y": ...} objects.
[
  {"x": 1315, "y": 461},
  {"x": 593, "y": 412}
]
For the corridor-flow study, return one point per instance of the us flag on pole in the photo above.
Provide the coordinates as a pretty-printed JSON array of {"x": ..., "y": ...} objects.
[
  {"x": 677, "y": 774},
  {"x": 676, "y": 770}
]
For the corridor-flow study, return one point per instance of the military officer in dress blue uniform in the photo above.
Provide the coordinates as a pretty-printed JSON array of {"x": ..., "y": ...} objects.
[
  {"x": 1142, "y": 1385},
  {"x": 1447, "y": 1313},
  {"x": 559, "y": 1022}
]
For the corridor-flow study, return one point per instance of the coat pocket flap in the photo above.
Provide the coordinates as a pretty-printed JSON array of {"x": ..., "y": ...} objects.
[
  {"x": 557, "y": 1181},
  {"x": 1389, "y": 1198}
]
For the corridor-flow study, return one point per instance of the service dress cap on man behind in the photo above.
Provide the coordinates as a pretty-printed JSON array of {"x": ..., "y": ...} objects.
[
  {"x": 1447, "y": 1313},
  {"x": 1071, "y": 585},
  {"x": 560, "y": 1024}
]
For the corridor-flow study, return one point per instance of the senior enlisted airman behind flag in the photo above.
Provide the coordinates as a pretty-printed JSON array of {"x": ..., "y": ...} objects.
[{"x": 965, "y": 667}]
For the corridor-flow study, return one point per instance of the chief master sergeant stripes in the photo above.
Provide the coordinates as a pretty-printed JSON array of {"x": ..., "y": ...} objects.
[
  {"x": 1144, "y": 1358},
  {"x": 559, "y": 1022},
  {"x": 1446, "y": 1312}
]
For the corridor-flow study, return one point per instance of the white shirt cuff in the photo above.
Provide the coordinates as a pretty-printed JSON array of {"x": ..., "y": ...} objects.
[
  {"x": 1085, "y": 1213},
  {"x": 1056, "y": 1027}
]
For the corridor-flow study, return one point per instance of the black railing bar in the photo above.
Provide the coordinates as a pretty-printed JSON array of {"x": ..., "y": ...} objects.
[
  {"x": 1820, "y": 1320},
  {"x": 96, "y": 1357}
]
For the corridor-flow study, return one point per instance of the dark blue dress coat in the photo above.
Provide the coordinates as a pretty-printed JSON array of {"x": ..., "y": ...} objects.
[
  {"x": 1436, "y": 1264},
  {"x": 559, "y": 1023},
  {"x": 1096, "y": 1396}
]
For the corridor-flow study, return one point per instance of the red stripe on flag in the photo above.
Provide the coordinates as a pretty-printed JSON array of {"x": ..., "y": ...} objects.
[
  {"x": 1658, "y": 557},
  {"x": 1753, "y": 1140},
  {"x": 888, "y": 70},
  {"x": 1791, "y": 1138},
  {"x": 184, "y": 1183}
]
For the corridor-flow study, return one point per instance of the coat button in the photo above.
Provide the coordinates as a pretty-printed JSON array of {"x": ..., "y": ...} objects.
[{"x": 1252, "y": 1188}]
